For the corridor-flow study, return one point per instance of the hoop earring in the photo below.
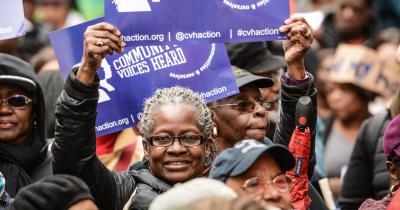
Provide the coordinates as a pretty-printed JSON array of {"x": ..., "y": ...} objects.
[
  {"x": 393, "y": 188},
  {"x": 215, "y": 131}
]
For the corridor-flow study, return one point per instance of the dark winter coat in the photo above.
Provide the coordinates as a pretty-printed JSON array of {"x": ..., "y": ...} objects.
[{"x": 30, "y": 161}]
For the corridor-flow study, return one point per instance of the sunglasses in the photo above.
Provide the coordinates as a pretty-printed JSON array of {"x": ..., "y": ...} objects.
[{"x": 16, "y": 101}]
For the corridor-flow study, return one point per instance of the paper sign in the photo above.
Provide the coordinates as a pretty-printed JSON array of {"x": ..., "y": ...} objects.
[
  {"x": 361, "y": 66},
  {"x": 12, "y": 20},
  {"x": 160, "y": 21},
  {"x": 126, "y": 80}
]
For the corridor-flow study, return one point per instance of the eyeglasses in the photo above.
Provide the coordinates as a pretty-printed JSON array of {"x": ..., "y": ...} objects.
[
  {"x": 248, "y": 106},
  {"x": 257, "y": 185},
  {"x": 185, "y": 140},
  {"x": 16, "y": 101}
]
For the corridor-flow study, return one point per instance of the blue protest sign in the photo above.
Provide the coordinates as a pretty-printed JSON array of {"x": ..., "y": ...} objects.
[
  {"x": 12, "y": 20},
  {"x": 68, "y": 44},
  {"x": 158, "y": 21},
  {"x": 127, "y": 79}
]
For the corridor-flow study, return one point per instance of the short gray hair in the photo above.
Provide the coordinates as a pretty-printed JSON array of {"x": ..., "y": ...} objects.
[{"x": 175, "y": 95}]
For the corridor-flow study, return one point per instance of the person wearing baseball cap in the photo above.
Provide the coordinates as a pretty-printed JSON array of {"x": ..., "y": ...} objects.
[
  {"x": 391, "y": 149},
  {"x": 24, "y": 156},
  {"x": 255, "y": 169},
  {"x": 256, "y": 58},
  {"x": 244, "y": 115}
]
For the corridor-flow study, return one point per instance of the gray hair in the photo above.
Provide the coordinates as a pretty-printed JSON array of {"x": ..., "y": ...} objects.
[{"x": 175, "y": 95}]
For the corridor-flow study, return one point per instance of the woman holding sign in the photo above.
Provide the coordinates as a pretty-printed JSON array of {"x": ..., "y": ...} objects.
[
  {"x": 175, "y": 123},
  {"x": 244, "y": 115},
  {"x": 176, "y": 126}
]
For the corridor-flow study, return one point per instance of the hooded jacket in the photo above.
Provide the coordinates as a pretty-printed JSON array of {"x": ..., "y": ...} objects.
[{"x": 27, "y": 162}]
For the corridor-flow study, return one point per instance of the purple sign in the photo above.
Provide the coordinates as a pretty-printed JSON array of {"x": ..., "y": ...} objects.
[
  {"x": 12, "y": 20},
  {"x": 127, "y": 79},
  {"x": 159, "y": 21}
]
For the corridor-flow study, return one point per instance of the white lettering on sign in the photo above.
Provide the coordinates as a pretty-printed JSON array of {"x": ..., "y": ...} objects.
[{"x": 6, "y": 30}]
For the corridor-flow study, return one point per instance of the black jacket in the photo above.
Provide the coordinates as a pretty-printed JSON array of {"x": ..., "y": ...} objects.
[
  {"x": 290, "y": 94},
  {"x": 366, "y": 175},
  {"x": 75, "y": 145}
]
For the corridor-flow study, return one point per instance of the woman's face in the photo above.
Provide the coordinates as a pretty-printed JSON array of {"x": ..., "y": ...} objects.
[
  {"x": 235, "y": 125},
  {"x": 176, "y": 163},
  {"x": 54, "y": 12},
  {"x": 344, "y": 101},
  {"x": 15, "y": 123}
]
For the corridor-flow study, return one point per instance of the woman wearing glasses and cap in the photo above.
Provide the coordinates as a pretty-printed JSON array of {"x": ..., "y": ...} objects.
[
  {"x": 24, "y": 155},
  {"x": 244, "y": 115},
  {"x": 175, "y": 125}
]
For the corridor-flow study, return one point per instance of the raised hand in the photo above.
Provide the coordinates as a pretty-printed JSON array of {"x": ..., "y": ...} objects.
[
  {"x": 99, "y": 40},
  {"x": 300, "y": 38}
]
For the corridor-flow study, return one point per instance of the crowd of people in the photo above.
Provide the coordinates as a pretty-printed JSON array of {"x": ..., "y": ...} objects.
[{"x": 233, "y": 153}]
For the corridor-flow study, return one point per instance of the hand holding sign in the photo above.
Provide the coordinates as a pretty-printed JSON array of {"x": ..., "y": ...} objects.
[
  {"x": 99, "y": 39},
  {"x": 299, "y": 41},
  {"x": 128, "y": 78}
]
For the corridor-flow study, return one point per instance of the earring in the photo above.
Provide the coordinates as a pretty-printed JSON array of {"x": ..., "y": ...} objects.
[
  {"x": 392, "y": 189},
  {"x": 214, "y": 131}
]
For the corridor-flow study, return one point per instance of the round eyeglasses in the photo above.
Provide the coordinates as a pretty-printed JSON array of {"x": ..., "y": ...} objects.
[{"x": 257, "y": 185}]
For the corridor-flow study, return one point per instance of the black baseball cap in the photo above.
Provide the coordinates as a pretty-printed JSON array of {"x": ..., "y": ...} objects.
[
  {"x": 244, "y": 77},
  {"x": 238, "y": 159}
]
